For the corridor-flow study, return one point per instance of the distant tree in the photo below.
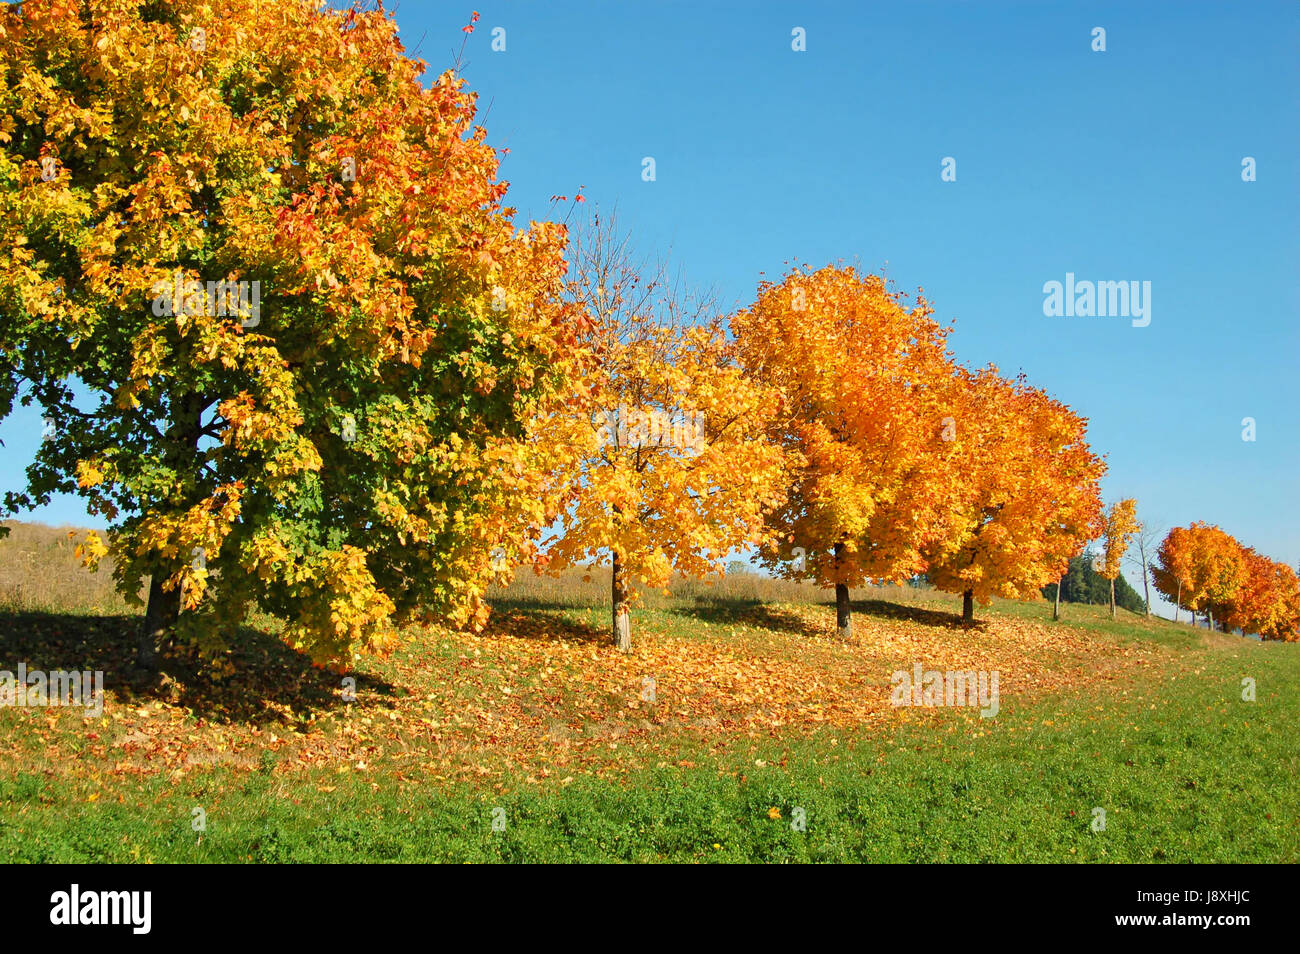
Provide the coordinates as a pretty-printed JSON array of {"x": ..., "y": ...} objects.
[
  {"x": 1268, "y": 605},
  {"x": 1145, "y": 542},
  {"x": 1200, "y": 568},
  {"x": 1121, "y": 523},
  {"x": 1083, "y": 584},
  {"x": 737, "y": 566}
]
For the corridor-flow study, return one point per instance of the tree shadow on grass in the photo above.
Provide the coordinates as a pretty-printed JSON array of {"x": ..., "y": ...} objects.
[
  {"x": 268, "y": 677},
  {"x": 881, "y": 609},
  {"x": 722, "y": 612},
  {"x": 529, "y": 619}
]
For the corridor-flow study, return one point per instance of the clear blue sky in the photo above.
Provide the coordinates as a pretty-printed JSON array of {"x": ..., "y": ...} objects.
[{"x": 1122, "y": 165}]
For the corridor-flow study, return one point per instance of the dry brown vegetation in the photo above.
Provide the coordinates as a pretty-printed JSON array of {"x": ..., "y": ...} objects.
[{"x": 39, "y": 572}]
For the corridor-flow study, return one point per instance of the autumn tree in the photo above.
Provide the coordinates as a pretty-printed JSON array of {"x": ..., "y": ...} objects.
[
  {"x": 860, "y": 374},
  {"x": 262, "y": 282},
  {"x": 1026, "y": 498},
  {"x": 1121, "y": 524},
  {"x": 1172, "y": 571},
  {"x": 1268, "y": 603},
  {"x": 674, "y": 469},
  {"x": 1200, "y": 568}
]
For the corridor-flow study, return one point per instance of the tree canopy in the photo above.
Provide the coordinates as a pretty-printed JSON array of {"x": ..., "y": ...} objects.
[{"x": 342, "y": 441}]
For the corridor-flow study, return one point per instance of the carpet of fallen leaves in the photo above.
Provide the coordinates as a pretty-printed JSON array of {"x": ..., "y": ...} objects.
[{"x": 539, "y": 694}]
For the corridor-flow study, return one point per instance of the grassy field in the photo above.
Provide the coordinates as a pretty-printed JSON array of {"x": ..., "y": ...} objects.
[{"x": 739, "y": 729}]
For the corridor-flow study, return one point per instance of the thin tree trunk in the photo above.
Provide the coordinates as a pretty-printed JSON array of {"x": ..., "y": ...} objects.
[
  {"x": 1056, "y": 608},
  {"x": 622, "y": 632},
  {"x": 1112, "y": 599},
  {"x": 1178, "y": 600},
  {"x": 843, "y": 613},
  {"x": 1146, "y": 580},
  {"x": 968, "y": 606}
]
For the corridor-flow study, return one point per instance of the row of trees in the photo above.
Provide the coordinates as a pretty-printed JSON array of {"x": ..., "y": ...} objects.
[
  {"x": 842, "y": 442},
  {"x": 432, "y": 395},
  {"x": 1204, "y": 570},
  {"x": 1201, "y": 569}
]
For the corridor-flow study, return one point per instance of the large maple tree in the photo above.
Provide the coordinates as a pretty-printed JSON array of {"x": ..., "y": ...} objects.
[
  {"x": 862, "y": 377},
  {"x": 346, "y": 444}
]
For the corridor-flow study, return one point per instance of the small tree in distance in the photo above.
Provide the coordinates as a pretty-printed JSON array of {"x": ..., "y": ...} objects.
[
  {"x": 1147, "y": 540},
  {"x": 1200, "y": 568},
  {"x": 1121, "y": 523}
]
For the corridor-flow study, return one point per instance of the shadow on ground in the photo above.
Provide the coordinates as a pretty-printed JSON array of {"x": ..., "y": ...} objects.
[
  {"x": 746, "y": 613},
  {"x": 880, "y": 609},
  {"x": 755, "y": 613},
  {"x": 531, "y": 619},
  {"x": 267, "y": 676}
]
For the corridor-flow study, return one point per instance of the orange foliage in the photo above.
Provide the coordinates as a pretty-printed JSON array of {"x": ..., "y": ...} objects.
[
  {"x": 1121, "y": 523},
  {"x": 1269, "y": 602},
  {"x": 1200, "y": 568},
  {"x": 1024, "y": 497},
  {"x": 862, "y": 379}
]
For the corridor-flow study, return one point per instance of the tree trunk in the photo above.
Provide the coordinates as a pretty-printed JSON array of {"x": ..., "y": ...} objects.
[
  {"x": 1146, "y": 582},
  {"x": 180, "y": 450},
  {"x": 1112, "y": 599},
  {"x": 1178, "y": 599},
  {"x": 1056, "y": 608},
  {"x": 619, "y": 598},
  {"x": 968, "y": 606},
  {"x": 159, "y": 617},
  {"x": 843, "y": 614}
]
